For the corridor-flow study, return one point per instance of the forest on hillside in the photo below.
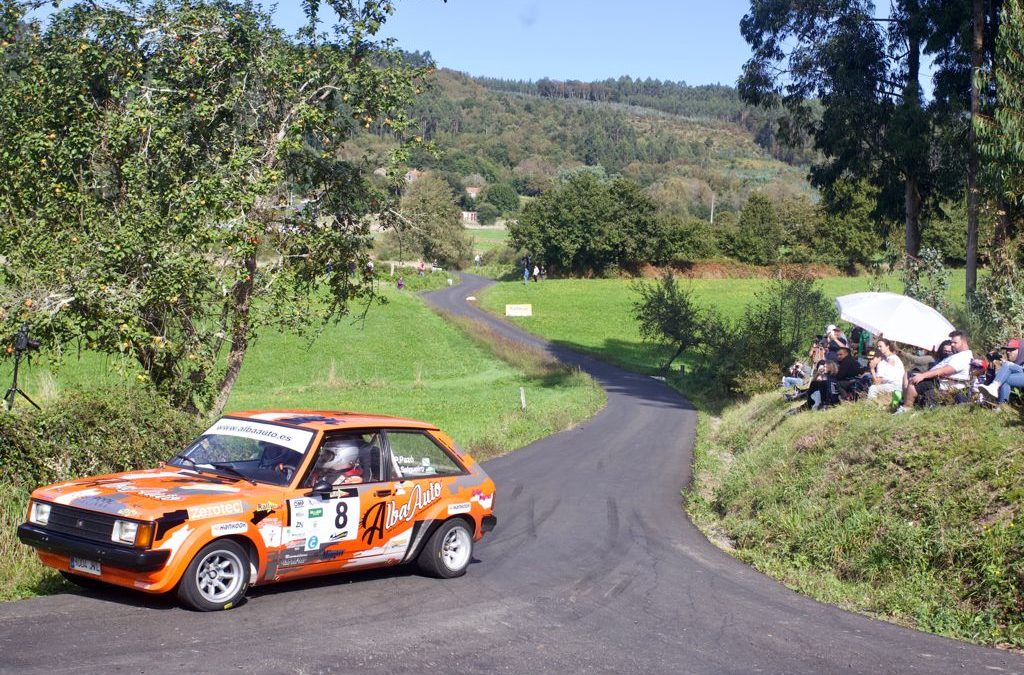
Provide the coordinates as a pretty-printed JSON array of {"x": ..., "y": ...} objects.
[{"x": 689, "y": 164}]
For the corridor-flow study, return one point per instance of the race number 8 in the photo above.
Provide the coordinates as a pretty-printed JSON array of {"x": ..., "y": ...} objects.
[{"x": 341, "y": 522}]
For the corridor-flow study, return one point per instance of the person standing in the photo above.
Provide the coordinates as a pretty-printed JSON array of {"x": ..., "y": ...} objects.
[
  {"x": 1009, "y": 375},
  {"x": 536, "y": 273}
]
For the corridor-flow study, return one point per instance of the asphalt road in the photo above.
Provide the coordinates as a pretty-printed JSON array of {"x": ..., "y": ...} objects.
[{"x": 594, "y": 567}]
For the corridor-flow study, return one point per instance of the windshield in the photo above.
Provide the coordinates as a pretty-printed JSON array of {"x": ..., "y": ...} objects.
[{"x": 257, "y": 451}]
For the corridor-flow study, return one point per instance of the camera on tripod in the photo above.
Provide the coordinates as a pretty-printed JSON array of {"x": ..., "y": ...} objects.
[{"x": 22, "y": 342}]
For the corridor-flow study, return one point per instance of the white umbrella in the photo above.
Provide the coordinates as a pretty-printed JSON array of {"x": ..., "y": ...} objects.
[{"x": 895, "y": 317}]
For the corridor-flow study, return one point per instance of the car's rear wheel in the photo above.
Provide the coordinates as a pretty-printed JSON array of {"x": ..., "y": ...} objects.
[
  {"x": 216, "y": 578},
  {"x": 448, "y": 551}
]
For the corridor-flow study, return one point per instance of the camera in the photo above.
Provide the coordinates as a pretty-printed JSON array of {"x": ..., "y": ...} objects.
[{"x": 22, "y": 342}]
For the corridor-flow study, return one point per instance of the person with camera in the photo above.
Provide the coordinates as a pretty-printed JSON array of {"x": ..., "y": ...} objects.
[{"x": 1010, "y": 374}]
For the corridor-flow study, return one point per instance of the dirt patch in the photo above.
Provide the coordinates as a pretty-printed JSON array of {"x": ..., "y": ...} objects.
[{"x": 731, "y": 269}]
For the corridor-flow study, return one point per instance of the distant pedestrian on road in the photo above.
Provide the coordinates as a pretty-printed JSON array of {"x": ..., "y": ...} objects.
[{"x": 476, "y": 260}]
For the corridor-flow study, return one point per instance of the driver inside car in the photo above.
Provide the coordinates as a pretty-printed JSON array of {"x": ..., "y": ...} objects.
[{"x": 338, "y": 463}]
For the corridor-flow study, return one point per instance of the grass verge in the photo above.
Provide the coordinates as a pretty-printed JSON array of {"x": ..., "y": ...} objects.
[{"x": 915, "y": 519}]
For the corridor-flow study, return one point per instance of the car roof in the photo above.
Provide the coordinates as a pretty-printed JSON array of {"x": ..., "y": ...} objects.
[{"x": 328, "y": 420}]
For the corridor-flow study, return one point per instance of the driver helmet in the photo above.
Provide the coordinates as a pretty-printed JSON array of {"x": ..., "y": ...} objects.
[{"x": 339, "y": 454}]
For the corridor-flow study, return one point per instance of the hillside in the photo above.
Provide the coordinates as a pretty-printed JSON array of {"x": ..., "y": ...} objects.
[{"x": 685, "y": 161}]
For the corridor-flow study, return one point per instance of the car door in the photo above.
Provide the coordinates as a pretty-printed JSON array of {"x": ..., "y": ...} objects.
[
  {"x": 395, "y": 519},
  {"x": 323, "y": 529}
]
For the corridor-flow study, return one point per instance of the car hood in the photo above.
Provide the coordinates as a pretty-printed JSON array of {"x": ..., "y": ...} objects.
[{"x": 149, "y": 494}]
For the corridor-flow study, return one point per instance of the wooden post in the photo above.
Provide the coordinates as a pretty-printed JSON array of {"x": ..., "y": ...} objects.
[{"x": 522, "y": 398}]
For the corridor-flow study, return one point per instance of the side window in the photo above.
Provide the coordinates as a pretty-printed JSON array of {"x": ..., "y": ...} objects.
[
  {"x": 415, "y": 455},
  {"x": 347, "y": 458}
]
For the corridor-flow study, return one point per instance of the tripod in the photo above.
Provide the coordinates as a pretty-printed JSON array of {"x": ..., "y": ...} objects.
[{"x": 15, "y": 389}]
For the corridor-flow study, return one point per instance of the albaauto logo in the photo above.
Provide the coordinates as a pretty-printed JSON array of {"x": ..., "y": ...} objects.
[{"x": 232, "y": 508}]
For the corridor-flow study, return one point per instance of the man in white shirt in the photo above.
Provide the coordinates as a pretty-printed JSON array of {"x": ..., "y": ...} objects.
[{"x": 952, "y": 372}]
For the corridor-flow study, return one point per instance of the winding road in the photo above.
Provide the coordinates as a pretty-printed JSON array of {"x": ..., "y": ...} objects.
[{"x": 594, "y": 566}]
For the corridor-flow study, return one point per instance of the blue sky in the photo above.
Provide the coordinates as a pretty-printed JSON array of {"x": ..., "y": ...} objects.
[{"x": 696, "y": 41}]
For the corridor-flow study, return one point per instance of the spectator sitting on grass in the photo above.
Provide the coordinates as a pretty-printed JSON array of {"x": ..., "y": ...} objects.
[
  {"x": 822, "y": 391},
  {"x": 848, "y": 372},
  {"x": 951, "y": 373},
  {"x": 886, "y": 371},
  {"x": 1010, "y": 373},
  {"x": 795, "y": 375}
]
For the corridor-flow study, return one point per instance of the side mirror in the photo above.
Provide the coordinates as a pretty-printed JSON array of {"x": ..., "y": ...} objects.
[{"x": 322, "y": 487}]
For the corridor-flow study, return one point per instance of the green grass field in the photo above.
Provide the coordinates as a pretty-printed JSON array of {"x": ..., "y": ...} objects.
[
  {"x": 402, "y": 360},
  {"x": 596, "y": 315},
  {"x": 485, "y": 240}
]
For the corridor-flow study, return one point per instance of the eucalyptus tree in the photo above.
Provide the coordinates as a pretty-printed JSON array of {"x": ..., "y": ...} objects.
[
  {"x": 170, "y": 180},
  {"x": 851, "y": 80}
]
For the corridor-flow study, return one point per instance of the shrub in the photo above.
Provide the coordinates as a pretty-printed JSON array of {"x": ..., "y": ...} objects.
[
  {"x": 667, "y": 314},
  {"x": 487, "y": 213},
  {"x": 91, "y": 432},
  {"x": 503, "y": 196},
  {"x": 776, "y": 327}
]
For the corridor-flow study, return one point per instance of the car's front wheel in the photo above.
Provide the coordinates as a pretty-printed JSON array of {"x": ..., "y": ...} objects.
[
  {"x": 448, "y": 551},
  {"x": 216, "y": 578}
]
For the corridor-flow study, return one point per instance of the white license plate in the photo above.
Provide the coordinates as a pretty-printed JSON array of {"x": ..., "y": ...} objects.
[{"x": 87, "y": 566}]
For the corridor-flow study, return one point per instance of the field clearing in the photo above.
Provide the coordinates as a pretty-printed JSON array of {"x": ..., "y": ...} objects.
[
  {"x": 596, "y": 315},
  {"x": 486, "y": 239}
]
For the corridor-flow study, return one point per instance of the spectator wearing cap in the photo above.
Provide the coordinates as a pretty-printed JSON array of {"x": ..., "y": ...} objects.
[
  {"x": 952, "y": 372},
  {"x": 834, "y": 340},
  {"x": 1009, "y": 375},
  {"x": 886, "y": 371}
]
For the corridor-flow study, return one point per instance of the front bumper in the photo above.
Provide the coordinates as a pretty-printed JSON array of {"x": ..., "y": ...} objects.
[{"x": 138, "y": 560}]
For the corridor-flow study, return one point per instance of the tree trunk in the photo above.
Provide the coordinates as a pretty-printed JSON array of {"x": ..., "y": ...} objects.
[
  {"x": 668, "y": 364},
  {"x": 913, "y": 219},
  {"x": 241, "y": 305},
  {"x": 977, "y": 57},
  {"x": 912, "y": 99}
]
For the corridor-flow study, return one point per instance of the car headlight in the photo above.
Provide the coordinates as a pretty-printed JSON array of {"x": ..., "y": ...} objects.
[
  {"x": 124, "y": 532},
  {"x": 132, "y": 533},
  {"x": 40, "y": 513}
]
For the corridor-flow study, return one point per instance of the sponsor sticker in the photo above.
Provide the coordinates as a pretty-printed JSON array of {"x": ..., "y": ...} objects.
[
  {"x": 464, "y": 507},
  {"x": 312, "y": 544},
  {"x": 289, "y": 437},
  {"x": 232, "y": 508},
  {"x": 234, "y": 527},
  {"x": 315, "y": 513}
]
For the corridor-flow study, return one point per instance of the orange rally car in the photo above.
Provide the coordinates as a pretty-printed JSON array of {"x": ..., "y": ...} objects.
[{"x": 267, "y": 496}]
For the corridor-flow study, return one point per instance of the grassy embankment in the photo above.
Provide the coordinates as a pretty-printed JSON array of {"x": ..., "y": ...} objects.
[
  {"x": 403, "y": 360},
  {"x": 914, "y": 519}
]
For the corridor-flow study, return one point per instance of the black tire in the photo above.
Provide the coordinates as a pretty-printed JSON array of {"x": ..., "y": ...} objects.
[
  {"x": 448, "y": 551},
  {"x": 87, "y": 583},
  {"x": 217, "y": 577}
]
